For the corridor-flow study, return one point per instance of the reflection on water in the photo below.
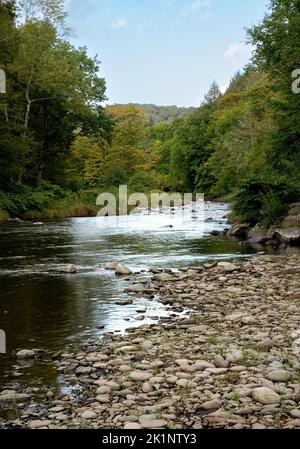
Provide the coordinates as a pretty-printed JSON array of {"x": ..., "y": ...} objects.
[{"x": 42, "y": 307}]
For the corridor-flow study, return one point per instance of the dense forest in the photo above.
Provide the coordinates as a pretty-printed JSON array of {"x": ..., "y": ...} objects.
[
  {"x": 60, "y": 147},
  {"x": 157, "y": 114}
]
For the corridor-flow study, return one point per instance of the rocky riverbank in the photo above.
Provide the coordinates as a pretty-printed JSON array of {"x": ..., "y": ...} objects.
[
  {"x": 233, "y": 363},
  {"x": 284, "y": 235}
]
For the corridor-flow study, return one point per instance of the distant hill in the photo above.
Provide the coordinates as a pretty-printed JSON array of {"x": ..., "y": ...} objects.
[{"x": 158, "y": 114}]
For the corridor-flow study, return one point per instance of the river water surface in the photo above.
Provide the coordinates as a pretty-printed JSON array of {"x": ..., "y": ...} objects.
[{"x": 43, "y": 307}]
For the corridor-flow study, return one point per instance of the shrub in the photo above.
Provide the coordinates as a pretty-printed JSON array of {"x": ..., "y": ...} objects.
[{"x": 264, "y": 198}]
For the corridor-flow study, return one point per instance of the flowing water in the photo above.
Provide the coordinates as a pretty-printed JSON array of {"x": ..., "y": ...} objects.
[{"x": 43, "y": 307}]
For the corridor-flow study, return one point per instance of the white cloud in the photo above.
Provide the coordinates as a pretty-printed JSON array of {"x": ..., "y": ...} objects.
[
  {"x": 235, "y": 50},
  {"x": 120, "y": 23},
  {"x": 194, "y": 6}
]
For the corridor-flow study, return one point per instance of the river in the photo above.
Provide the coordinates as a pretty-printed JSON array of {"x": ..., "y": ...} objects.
[{"x": 43, "y": 307}]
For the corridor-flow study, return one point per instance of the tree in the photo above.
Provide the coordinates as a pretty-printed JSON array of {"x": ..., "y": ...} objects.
[
  {"x": 129, "y": 149},
  {"x": 52, "y": 11},
  {"x": 278, "y": 53},
  {"x": 213, "y": 94}
]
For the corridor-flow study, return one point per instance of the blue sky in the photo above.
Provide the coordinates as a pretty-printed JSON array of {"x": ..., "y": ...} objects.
[{"x": 164, "y": 51}]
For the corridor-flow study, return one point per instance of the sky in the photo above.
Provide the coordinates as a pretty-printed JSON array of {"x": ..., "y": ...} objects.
[{"x": 165, "y": 52}]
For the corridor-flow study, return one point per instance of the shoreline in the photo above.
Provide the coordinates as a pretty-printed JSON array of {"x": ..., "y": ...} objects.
[{"x": 233, "y": 363}]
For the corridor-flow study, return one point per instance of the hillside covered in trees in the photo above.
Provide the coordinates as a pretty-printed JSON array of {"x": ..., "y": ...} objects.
[
  {"x": 158, "y": 114},
  {"x": 59, "y": 147}
]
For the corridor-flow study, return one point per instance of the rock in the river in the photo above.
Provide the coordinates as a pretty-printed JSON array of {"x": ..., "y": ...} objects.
[
  {"x": 291, "y": 221},
  {"x": 265, "y": 396},
  {"x": 239, "y": 230},
  {"x": 136, "y": 288},
  {"x": 111, "y": 266},
  {"x": 279, "y": 375},
  {"x": 25, "y": 354},
  {"x": 71, "y": 269},
  {"x": 121, "y": 270},
  {"x": 290, "y": 236},
  {"x": 124, "y": 302}
]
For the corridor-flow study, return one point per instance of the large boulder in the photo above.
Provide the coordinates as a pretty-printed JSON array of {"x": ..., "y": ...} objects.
[
  {"x": 291, "y": 221},
  {"x": 239, "y": 230},
  {"x": 111, "y": 266},
  {"x": 290, "y": 236},
  {"x": 294, "y": 209},
  {"x": 259, "y": 235}
]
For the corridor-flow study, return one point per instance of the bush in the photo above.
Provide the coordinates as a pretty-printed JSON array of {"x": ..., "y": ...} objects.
[
  {"x": 21, "y": 199},
  {"x": 143, "y": 182},
  {"x": 264, "y": 199}
]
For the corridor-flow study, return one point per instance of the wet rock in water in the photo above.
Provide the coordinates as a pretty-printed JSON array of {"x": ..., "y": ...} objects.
[
  {"x": 136, "y": 288},
  {"x": 124, "y": 302},
  {"x": 111, "y": 265},
  {"x": 71, "y": 269},
  {"x": 121, "y": 270},
  {"x": 216, "y": 233},
  {"x": 265, "y": 396},
  {"x": 26, "y": 354},
  {"x": 279, "y": 376},
  {"x": 239, "y": 230}
]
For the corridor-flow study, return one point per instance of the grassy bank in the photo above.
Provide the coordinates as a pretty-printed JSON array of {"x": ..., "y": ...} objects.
[
  {"x": 49, "y": 202},
  {"x": 52, "y": 202}
]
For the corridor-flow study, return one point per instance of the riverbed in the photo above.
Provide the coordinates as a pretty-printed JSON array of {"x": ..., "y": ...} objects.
[{"x": 43, "y": 307}]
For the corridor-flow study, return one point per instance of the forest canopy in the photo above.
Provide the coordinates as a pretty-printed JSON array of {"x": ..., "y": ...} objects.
[{"x": 60, "y": 145}]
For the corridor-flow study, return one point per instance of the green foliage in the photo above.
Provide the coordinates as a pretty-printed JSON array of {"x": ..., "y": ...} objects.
[
  {"x": 59, "y": 147},
  {"x": 163, "y": 114},
  {"x": 263, "y": 198},
  {"x": 143, "y": 182}
]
